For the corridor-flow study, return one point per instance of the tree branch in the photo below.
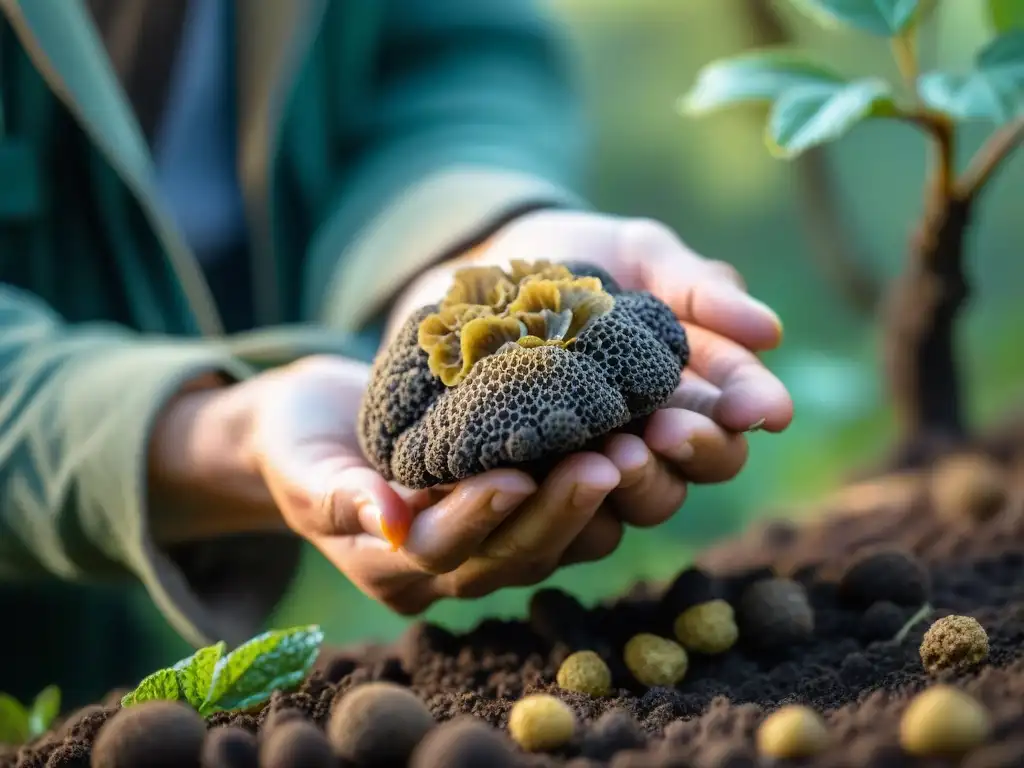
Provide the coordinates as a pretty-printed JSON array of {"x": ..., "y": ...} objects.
[
  {"x": 942, "y": 132},
  {"x": 832, "y": 242},
  {"x": 989, "y": 159}
]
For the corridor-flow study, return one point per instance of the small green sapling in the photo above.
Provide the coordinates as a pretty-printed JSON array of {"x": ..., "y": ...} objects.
[
  {"x": 811, "y": 104},
  {"x": 212, "y": 680},
  {"x": 19, "y": 723}
]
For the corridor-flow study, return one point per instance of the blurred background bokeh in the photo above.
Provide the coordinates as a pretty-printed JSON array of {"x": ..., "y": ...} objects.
[{"x": 715, "y": 183}]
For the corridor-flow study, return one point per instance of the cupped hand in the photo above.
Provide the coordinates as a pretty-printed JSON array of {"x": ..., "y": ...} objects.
[
  {"x": 498, "y": 529},
  {"x": 725, "y": 391}
]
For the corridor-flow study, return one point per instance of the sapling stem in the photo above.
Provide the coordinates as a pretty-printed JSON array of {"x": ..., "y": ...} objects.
[
  {"x": 921, "y": 614},
  {"x": 989, "y": 159},
  {"x": 904, "y": 50}
]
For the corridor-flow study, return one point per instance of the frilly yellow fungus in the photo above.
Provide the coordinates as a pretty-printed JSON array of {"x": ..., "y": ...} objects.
[{"x": 534, "y": 305}]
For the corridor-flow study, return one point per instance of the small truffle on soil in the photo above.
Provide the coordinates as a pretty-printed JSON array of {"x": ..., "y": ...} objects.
[
  {"x": 162, "y": 734},
  {"x": 229, "y": 747},
  {"x": 944, "y": 720},
  {"x": 954, "y": 643},
  {"x": 540, "y": 723},
  {"x": 378, "y": 724},
  {"x": 775, "y": 613},
  {"x": 464, "y": 742},
  {"x": 882, "y": 621},
  {"x": 585, "y": 672},
  {"x": 891, "y": 575},
  {"x": 708, "y": 628},
  {"x": 296, "y": 744},
  {"x": 615, "y": 731},
  {"x": 793, "y": 731},
  {"x": 655, "y": 660}
]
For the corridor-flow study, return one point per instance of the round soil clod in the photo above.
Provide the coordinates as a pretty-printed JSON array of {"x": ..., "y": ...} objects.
[
  {"x": 615, "y": 731},
  {"x": 378, "y": 724},
  {"x": 161, "y": 734},
  {"x": 464, "y": 742},
  {"x": 774, "y": 613},
  {"x": 691, "y": 587},
  {"x": 296, "y": 744},
  {"x": 228, "y": 746},
  {"x": 892, "y": 575},
  {"x": 882, "y": 621}
]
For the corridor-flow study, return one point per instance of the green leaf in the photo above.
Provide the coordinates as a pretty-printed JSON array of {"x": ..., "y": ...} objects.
[
  {"x": 886, "y": 18},
  {"x": 162, "y": 685},
  {"x": 994, "y": 91},
  {"x": 14, "y": 727},
  {"x": 195, "y": 674},
  {"x": 250, "y": 673},
  {"x": 45, "y": 709},
  {"x": 810, "y": 115},
  {"x": 1006, "y": 15},
  {"x": 759, "y": 76}
]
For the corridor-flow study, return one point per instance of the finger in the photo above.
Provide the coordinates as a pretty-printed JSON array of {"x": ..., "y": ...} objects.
[
  {"x": 526, "y": 548},
  {"x": 703, "y": 291},
  {"x": 694, "y": 393},
  {"x": 695, "y": 447},
  {"x": 598, "y": 539},
  {"x": 750, "y": 393},
  {"x": 442, "y": 536},
  {"x": 384, "y": 575},
  {"x": 721, "y": 307},
  {"x": 650, "y": 492},
  {"x": 323, "y": 489}
]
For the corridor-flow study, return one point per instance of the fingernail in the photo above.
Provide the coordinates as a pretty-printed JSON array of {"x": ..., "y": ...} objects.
[
  {"x": 395, "y": 529},
  {"x": 504, "y": 502},
  {"x": 757, "y": 425},
  {"x": 633, "y": 474},
  {"x": 588, "y": 496},
  {"x": 681, "y": 452},
  {"x": 760, "y": 306}
]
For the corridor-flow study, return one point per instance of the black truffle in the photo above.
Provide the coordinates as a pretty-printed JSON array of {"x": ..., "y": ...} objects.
[
  {"x": 464, "y": 742},
  {"x": 518, "y": 405},
  {"x": 159, "y": 734},
  {"x": 774, "y": 613},
  {"x": 615, "y": 731},
  {"x": 882, "y": 621},
  {"x": 229, "y": 747},
  {"x": 378, "y": 724},
  {"x": 691, "y": 587},
  {"x": 892, "y": 575},
  {"x": 296, "y": 744}
]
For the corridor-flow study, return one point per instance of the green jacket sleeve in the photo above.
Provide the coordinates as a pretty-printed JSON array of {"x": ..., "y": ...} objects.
[
  {"x": 76, "y": 407},
  {"x": 472, "y": 120}
]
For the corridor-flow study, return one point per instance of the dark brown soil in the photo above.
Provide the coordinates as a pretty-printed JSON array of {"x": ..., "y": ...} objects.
[{"x": 961, "y": 558}]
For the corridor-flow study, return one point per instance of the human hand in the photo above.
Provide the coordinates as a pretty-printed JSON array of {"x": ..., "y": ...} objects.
[
  {"x": 480, "y": 535},
  {"x": 725, "y": 389}
]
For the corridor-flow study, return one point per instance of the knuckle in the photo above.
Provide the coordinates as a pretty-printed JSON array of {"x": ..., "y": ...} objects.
[
  {"x": 726, "y": 271},
  {"x": 466, "y": 587},
  {"x": 644, "y": 235},
  {"x": 534, "y": 572},
  {"x": 436, "y": 563}
]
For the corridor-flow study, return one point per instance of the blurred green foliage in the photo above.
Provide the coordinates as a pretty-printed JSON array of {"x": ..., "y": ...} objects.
[{"x": 715, "y": 183}]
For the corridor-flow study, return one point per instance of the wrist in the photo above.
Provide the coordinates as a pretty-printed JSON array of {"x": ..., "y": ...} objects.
[{"x": 200, "y": 483}]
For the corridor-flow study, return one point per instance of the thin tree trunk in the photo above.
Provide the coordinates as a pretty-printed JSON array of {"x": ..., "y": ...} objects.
[{"x": 919, "y": 339}]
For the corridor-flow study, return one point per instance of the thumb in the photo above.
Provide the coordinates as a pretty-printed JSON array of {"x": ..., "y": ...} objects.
[{"x": 324, "y": 489}]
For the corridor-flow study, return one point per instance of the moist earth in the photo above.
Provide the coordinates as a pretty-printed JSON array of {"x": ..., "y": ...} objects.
[{"x": 955, "y": 544}]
